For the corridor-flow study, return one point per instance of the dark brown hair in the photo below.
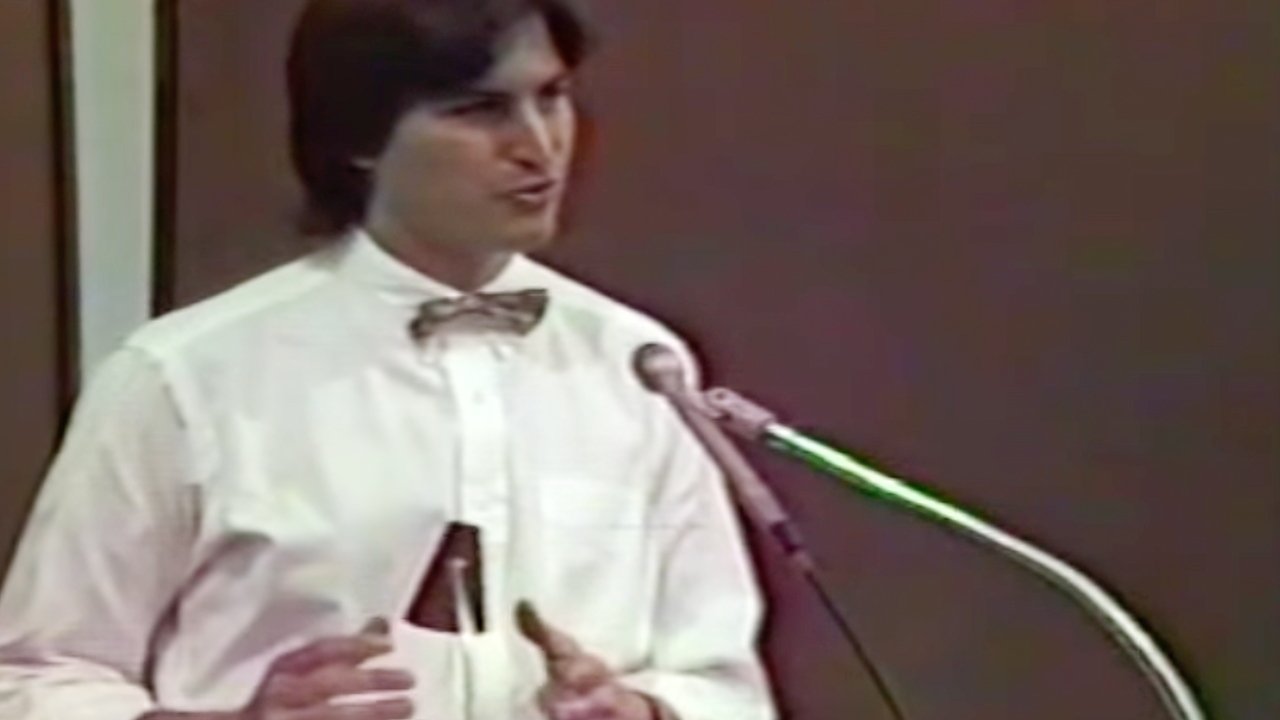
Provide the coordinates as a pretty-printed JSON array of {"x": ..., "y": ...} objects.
[{"x": 356, "y": 65}]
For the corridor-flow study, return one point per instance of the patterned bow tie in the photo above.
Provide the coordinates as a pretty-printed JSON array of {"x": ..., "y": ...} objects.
[{"x": 517, "y": 312}]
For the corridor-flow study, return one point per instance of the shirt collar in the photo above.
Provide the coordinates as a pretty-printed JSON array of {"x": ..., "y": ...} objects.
[{"x": 368, "y": 264}]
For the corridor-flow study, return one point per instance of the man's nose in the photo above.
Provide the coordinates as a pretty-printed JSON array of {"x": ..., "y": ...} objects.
[{"x": 533, "y": 141}]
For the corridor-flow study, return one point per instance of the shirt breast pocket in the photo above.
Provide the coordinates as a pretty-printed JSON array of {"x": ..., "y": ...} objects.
[{"x": 597, "y": 564}]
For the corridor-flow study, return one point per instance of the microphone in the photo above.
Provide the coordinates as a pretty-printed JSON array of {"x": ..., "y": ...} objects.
[
  {"x": 661, "y": 371},
  {"x": 752, "y": 422}
]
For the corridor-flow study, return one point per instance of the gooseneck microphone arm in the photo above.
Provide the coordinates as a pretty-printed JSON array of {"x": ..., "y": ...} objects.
[
  {"x": 661, "y": 371},
  {"x": 752, "y": 422}
]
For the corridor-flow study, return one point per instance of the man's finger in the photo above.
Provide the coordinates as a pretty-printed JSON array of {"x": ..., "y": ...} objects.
[
  {"x": 555, "y": 645},
  {"x": 349, "y": 650},
  {"x": 286, "y": 690},
  {"x": 336, "y": 681},
  {"x": 388, "y": 709},
  {"x": 575, "y": 708},
  {"x": 580, "y": 674},
  {"x": 568, "y": 666},
  {"x": 377, "y": 626}
]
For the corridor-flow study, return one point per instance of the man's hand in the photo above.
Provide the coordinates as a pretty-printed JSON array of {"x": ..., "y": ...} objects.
[
  {"x": 304, "y": 683},
  {"x": 301, "y": 684},
  {"x": 579, "y": 685}
]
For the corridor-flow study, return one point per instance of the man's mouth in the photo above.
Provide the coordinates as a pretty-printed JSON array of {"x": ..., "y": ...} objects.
[{"x": 533, "y": 195}]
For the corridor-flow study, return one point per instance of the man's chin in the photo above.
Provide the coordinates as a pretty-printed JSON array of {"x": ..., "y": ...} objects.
[{"x": 528, "y": 238}]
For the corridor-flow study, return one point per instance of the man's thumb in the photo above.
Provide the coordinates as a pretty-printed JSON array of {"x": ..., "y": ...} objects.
[
  {"x": 376, "y": 626},
  {"x": 555, "y": 645}
]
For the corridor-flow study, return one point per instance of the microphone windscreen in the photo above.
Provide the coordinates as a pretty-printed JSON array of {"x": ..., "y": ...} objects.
[{"x": 659, "y": 369}]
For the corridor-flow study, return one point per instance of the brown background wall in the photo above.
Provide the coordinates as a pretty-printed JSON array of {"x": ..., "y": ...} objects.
[
  {"x": 34, "y": 322},
  {"x": 1026, "y": 251}
]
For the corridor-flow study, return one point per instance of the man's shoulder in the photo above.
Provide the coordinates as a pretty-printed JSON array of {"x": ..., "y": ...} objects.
[{"x": 220, "y": 317}]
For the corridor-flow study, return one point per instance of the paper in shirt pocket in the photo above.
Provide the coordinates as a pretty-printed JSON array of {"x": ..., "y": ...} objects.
[{"x": 438, "y": 663}]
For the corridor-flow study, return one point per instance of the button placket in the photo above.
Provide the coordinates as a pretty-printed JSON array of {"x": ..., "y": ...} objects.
[{"x": 482, "y": 428}]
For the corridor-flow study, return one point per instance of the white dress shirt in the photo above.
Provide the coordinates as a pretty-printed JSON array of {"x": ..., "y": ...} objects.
[{"x": 278, "y": 463}]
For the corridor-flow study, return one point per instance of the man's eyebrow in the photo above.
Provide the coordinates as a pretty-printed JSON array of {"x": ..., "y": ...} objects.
[
  {"x": 476, "y": 93},
  {"x": 564, "y": 77}
]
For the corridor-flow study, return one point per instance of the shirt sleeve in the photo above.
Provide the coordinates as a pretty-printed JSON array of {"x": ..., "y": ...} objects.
[
  {"x": 709, "y": 607},
  {"x": 103, "y": 554}
]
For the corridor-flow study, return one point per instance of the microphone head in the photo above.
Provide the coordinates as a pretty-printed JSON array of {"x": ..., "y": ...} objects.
[{"x": 659, "y": 369}]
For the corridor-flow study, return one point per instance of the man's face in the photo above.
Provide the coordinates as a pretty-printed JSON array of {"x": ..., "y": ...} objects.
[{"x": 484, "y": 170}]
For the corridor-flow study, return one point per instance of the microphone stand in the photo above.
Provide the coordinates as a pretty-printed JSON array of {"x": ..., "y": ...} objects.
[
  {"x": 661, "y": 370},
  {"x": 747, "y": 419}
]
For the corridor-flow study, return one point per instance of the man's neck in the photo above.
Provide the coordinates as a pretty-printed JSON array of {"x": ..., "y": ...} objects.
[{"x": 463, "y": 269}]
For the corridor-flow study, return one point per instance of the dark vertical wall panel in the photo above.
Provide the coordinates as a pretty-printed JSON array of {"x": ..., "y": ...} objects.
[
  {"x": 231, "y": 208},
  {"x": 36, "y": 321},
  {"x": 1025, "y": 251}
]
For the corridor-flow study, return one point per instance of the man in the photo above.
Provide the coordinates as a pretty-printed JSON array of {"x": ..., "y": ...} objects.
[{"x": 239, "y": 520}]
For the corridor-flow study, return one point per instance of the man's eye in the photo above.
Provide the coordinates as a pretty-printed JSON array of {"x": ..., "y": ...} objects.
[{"x": 553, "y": 93}]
